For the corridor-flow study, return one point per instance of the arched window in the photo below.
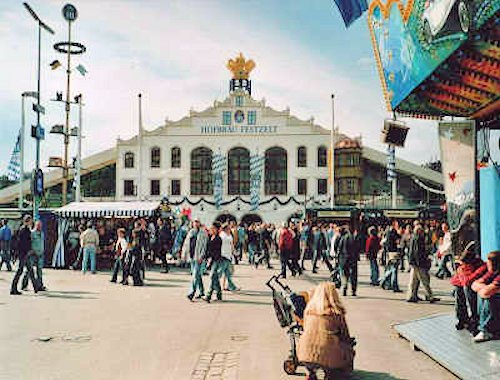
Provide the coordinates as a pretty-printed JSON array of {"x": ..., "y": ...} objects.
[
  {"x": 275, "y": 171},
  {"x": 238, "y": 172},
  {"x": 322, "y": 157},
  {"x": 301, "y": 157},
  {"x": 129, "y": 160},
  {"x": 175, "y": 157},
  {"x": 201, "y": 172},
  {"x": 155, "y": 157}
]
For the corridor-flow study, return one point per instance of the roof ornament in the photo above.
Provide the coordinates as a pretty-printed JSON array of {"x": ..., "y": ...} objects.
[{"x": 240, "y": 67}]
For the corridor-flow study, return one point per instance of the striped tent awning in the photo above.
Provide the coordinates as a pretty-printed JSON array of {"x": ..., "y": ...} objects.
[{"x": 108, "y": 209}]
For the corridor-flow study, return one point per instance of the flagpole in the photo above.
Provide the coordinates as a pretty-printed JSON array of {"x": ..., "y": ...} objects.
[
  {"x": 21, "y": 153},
  {"x": 139, "y": 159},
  {"x": 332, "y": 157}
]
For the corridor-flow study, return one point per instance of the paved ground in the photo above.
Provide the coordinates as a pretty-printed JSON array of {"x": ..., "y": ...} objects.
[{"x": 87, "y": 328}]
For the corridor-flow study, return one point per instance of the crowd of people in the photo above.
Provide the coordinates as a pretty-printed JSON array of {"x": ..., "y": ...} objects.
[{"x": 132, "y": 246}]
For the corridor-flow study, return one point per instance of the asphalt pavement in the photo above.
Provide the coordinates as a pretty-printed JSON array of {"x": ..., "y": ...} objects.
[{"x": 85, "y": 327}]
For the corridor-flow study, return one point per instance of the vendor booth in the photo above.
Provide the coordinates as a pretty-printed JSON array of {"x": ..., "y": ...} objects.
[{"x": 72, "y": 214}]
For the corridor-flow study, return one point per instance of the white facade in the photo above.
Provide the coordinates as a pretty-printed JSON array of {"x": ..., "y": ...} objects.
[{"x": 206, "y": 129}]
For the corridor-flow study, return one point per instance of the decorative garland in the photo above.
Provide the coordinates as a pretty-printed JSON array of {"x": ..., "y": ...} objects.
[
  {"x": 185, "y": 199},
  {"x": 425, "y": 187}
]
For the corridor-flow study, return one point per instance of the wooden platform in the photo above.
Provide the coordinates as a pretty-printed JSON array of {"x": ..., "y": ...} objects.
[{"x": 437, "y": 337}]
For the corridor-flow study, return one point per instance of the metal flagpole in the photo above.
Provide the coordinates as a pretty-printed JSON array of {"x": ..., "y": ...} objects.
[
  {"x": 21, "y": 154},
  {"x": 79, "y": 152},
  {"x": 332, "y": 157},
  {"x": 139, "y": 158}
]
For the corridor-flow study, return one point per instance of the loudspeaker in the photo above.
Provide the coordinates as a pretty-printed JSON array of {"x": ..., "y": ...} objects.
[{"x": 394, "y": 133}]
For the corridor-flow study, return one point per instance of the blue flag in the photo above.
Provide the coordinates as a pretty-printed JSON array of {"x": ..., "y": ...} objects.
[{"x": 351, "y": 10}]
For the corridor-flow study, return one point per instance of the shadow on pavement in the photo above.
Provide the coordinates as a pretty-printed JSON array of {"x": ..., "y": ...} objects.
[
  {"x": 257, "y": 293},
  {"x": 244, "y": 302},
  {"x": 68, "y": 295},
  {"x": 367, "y": 375},
  {"x": 152, "y": 285},
  {"x": 167, "y": 280}
]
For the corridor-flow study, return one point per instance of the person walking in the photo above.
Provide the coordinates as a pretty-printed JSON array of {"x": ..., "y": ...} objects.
[
  {"x": 214, "y": 255},
  {"x": 419, "y": 267},
  {"x": 227, "y": 257},
  {"x": 390, "y": 278},
  {"x": 295, "y": 252},
  {"x": 372, "y": 248},
  {"x": 320, "y": 249},
  {"x": 349, "y": 250},
  {"x": 444, "y": 253},
  {"x": 194, "y": 247},
  {"x": 285, "y": 247},
  {"x": 37, "y": 256},
  {"x": 121, "y": 247},
  {"x": 253, "y": 244},
  {"x": 5, "y": 245},
  {"x": 89, "y": 241},
  {"x": 164, "y": 243},
  {"x": 24, "y": 247}
]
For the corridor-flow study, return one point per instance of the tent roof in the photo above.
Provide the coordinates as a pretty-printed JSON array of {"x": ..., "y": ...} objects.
[{"x": 110, "y": 209}]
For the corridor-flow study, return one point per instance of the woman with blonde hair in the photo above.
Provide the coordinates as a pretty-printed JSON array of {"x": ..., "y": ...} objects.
[{"x": 326, "y": 342}]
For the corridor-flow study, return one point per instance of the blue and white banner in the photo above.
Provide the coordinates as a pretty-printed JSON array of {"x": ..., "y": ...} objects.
[
  {"x": 14, "y": 169},
  {"x": 218, "y": 169},
  {"x": 391, "y": 163},
  {"x": 256, "y": 169}
]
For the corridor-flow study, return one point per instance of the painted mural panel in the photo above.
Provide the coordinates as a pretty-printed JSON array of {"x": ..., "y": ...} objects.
[{"x": 411, "y": 38}]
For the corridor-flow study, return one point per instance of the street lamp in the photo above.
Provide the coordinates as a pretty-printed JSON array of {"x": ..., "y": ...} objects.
[
  {"x": 26, "y": 94},
  {"x": 38, "y": 109}
]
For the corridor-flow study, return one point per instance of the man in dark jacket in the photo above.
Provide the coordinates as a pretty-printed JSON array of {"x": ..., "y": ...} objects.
[
  {"x": 165, "y": 242},
  {"x": 349, "y": 248},
  {"x": 24, "y": 248},
  {"x": 420, "y": 265}
]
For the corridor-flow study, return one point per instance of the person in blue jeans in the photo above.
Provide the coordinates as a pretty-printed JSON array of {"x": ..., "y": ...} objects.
[
  {"x": 89, "y": 241},
  {"x": 390, "y": 279},
  {"x": 488, "y": 291},
  {"x": 194, "y": 247},
  {"x": 214, "y": 254},
  {"x": 5, "y": 245}
]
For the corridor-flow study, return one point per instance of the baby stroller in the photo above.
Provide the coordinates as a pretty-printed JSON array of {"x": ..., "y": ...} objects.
[{"x": 289, "y": 308}]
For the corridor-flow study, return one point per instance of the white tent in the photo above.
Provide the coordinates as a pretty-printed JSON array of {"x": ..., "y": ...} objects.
[{"x": 108, "y": 209}]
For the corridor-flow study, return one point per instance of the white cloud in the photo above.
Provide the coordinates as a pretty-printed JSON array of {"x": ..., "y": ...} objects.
[{"x": 175, "y": 54}]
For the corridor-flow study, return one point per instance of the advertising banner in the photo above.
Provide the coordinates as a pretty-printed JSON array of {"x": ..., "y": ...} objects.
[
  {"x": 457, "y": 145},
  {"x": 411, "y": 38}
]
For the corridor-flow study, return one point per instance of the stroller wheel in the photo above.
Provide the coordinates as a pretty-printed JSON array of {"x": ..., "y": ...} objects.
[{"x": 290, "y": 366}]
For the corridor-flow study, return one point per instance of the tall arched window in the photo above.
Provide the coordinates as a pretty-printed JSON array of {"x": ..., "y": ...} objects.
[
  {"x": 275, "y": 171},
  {"x": 175, "y": 157},
  {"x": 238, "y": 172},
  {"x": 128, "y": 160},
  {"x": 155, "y": 157},
  {"x": 322, "y": 157},
  {"x": 301, "y": 157},
  {"x": 201, "y": 172}
]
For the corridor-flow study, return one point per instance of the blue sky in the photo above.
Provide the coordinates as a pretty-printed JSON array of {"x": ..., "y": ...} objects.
[{"x": 174, "y": 52}]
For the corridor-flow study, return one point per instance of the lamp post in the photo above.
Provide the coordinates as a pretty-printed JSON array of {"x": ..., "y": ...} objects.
[
  {"x": 30, "y": 94},
  {"x": 38, "y": 108}
]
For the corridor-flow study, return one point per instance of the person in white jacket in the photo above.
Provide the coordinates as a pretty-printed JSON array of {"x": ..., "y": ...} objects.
[
  {"x": 227, "y": 256},
  {"x": 444, "y": 253}
]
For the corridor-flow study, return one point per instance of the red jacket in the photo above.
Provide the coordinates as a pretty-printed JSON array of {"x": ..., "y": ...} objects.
[
  {"x": 468, "y": 273},
  {"x": 372, "y": 246},
  {"x": 286, "y": 240}
]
